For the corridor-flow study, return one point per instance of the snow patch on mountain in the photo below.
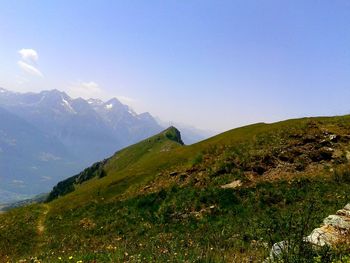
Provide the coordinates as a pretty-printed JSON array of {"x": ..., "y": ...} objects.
[
  {"x": 67, "y": 106},
  {"x": 133, "y": 113},
  {"x": 109, "y": 106}
]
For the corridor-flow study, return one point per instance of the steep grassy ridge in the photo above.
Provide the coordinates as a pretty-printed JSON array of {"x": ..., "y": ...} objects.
[{"x": 159, "y": 200}]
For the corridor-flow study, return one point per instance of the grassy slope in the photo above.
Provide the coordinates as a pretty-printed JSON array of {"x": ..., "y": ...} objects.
[
  {"x": 140, "y": 210},
  {"x": 126, "y": 169}
]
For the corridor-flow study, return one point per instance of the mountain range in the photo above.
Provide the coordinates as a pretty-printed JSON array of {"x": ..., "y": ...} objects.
[{"x": 47, "y": 136}]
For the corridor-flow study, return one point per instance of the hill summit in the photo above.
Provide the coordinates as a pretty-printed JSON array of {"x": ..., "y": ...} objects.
[{"x": 120, "y": 159}]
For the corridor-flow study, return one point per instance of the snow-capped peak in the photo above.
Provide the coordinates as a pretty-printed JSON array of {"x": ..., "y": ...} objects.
[
  {"x": 132, "y": 112},
  {"x": 109, "y": 106},
  {"x": 67, "y": 105},
  {"x": 95, "y": 102}
]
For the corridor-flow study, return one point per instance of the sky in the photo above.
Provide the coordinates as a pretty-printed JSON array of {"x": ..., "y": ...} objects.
[{"x": 214, "y": 65}]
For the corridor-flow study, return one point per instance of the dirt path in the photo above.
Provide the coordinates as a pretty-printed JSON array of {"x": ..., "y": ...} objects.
[{"x": 41, "y": 220}]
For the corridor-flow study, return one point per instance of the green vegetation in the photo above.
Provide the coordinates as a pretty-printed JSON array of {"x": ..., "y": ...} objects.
[
  {"x": 18, "y": 232},
  {"x": 160, "y": 201}
]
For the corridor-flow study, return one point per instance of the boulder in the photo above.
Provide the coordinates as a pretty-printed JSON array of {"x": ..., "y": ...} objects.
[
  {"x": 331, "y": 233},
  {"x": 325, "y": 235},
  {"x": 347, "y": 207},
  {"x": 338, "y": 221},
  {"x": 343, "y": 212}
]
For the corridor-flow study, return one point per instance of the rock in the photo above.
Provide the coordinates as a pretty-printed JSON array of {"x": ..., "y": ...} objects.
[
  {"x": 337, "y": 221},
  {"x": 277, "y": 250},
  {"x": 343, "y": 212},
  {"x": 324, "y": 153},
  {"x": 331, "y": 233},
  {"x": 333, "y": 138},
  {"x": 347, "y": 207},
  {"x": 325, "y": 235},
  {"x": 232, "y": 185}
]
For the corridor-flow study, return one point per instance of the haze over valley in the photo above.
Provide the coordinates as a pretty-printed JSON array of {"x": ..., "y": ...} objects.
[{"x": 47, "y": 136}]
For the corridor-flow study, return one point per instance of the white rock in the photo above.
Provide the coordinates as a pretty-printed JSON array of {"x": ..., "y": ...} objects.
[
  {"x": 233, "y": 184},
  {"x": 332, "y": 137},
  {"x": 343, "y": 212},
  {"x": 277, "y": 250},
  {"x": 347, "y": 207},
  {"x": 337, "y": 221},
  {"x": 325, "y": 235}
]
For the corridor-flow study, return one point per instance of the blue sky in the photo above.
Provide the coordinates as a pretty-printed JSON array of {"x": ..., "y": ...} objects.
[{"x": 211, "y": 64}]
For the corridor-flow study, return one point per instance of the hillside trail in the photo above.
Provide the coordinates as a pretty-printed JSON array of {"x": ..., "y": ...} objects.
[{"x": 42, "y": 218}]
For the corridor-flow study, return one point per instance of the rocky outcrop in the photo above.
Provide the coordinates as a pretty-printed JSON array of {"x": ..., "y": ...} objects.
[{"x": 335, "y": 230}]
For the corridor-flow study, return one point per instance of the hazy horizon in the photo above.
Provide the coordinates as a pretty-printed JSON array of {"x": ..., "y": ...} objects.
[{"x": 211, "y": 65}]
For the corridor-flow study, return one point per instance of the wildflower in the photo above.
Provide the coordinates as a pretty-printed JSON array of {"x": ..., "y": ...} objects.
[{"x": 70, "y": 258}]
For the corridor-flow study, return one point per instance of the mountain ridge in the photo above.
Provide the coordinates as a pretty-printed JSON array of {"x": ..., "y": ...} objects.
[
  {"x": 87, "y": 132},
  {"x": 96, "y": 170}
]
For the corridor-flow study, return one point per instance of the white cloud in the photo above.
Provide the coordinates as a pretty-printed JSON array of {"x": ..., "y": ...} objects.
[
  {"x": 45, "y": 157},
  {"x": 45, "y": 178},
  {"x": 126, "y": 100},
  {"x": 85, "y": 90},
  {"x": 28, "y": 61},
  {"x": 93, "y": 90},
  {"x": 91, "y": 86},
  {"x": 29, "y": 68},
  {"x": 28, "y": 54},
  {"x": 17, "y": 181}
]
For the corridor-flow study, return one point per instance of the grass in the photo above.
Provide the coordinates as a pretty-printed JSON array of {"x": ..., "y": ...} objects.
[
  {"x": 19, "y": 232},
  {"x": 183, "y": 223},
  {"x": 161, "y": 201}
]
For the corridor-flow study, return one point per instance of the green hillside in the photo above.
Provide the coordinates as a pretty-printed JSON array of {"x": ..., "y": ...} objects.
[{"x": 226, "y": 199}]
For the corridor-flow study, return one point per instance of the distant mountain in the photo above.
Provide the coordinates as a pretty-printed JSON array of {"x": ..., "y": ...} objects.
[
  {"x": 47, "y": 136},
  {"x": 28, "y": 156}
]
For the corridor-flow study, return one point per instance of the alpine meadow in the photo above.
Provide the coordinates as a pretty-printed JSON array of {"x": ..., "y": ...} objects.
[{"x": 174, "y": 131}]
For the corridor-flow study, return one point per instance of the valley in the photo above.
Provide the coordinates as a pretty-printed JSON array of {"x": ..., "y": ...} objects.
[{"x": 47, "y": 136}]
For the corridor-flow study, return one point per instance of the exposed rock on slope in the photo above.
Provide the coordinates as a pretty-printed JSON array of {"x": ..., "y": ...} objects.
[{"x": 334, "y": 231}]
